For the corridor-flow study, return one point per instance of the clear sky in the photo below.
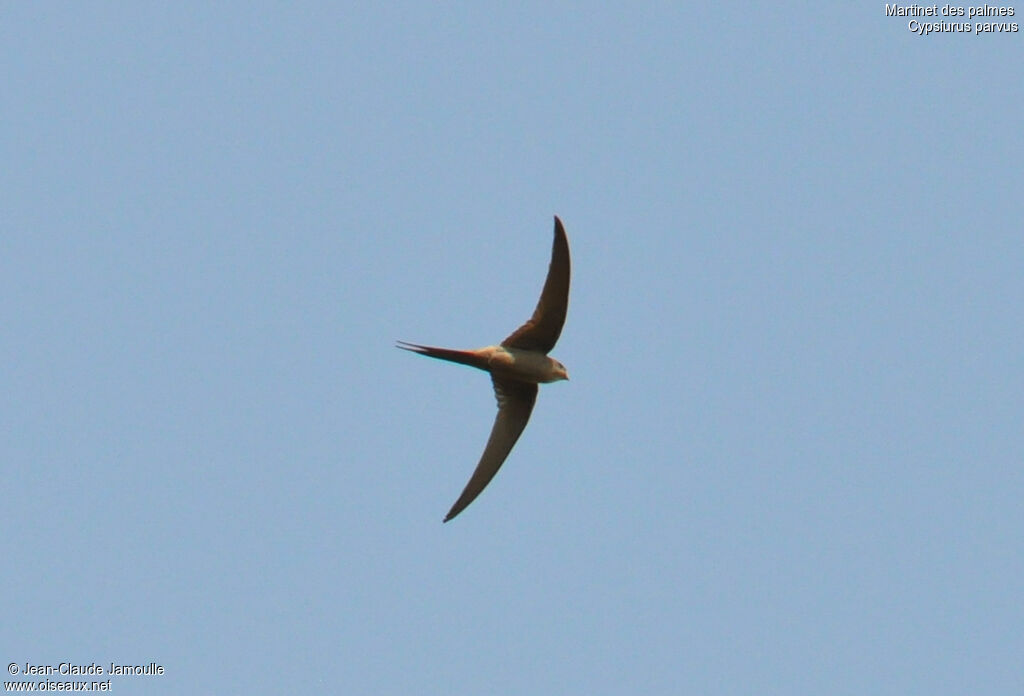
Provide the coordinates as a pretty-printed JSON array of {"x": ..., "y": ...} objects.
[{"x": 789, "y": 459}]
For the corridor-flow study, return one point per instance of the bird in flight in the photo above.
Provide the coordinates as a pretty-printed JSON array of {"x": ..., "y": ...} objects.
[{"x": 517, "y": 365}]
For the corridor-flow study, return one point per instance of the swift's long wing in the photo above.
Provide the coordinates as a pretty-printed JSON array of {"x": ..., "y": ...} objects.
[
  {"x": 515, "y": 402},
  {"x": 542, "y": 330}
]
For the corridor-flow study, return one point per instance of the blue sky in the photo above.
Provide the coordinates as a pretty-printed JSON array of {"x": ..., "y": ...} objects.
[{"x": 790, "y": 456}]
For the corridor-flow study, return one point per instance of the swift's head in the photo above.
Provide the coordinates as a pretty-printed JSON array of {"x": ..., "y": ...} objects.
[{"x": 559, "y": 371}]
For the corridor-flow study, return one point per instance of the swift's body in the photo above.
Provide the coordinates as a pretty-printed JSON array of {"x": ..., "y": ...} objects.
[{"x": 517, "y": 365}]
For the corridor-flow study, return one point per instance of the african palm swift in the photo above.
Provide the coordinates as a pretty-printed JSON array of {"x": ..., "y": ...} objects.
[{"x": 517, "y": 366}]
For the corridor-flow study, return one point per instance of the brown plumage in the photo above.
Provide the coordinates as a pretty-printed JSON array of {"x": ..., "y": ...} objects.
[{"x": 517, "y": 365}]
